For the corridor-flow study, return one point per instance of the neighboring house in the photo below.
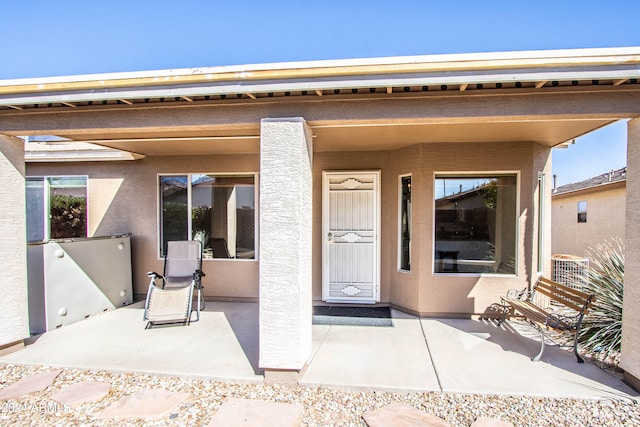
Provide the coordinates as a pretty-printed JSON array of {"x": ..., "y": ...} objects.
[
  {"x": 587, "y": 213},
  {"x": 334, "y": 167}
]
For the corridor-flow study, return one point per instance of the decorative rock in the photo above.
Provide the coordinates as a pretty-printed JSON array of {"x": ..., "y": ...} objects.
[
  {"x": 29, "y": 384},
  {"x": 490, "y": 422},
  {"x": 143, "y": 404},
  {"x": 398, "y": 415},
  {"x": 86, "y": 391},
  {"x": 256, "y": 413},
  {"x": 323, "y": 406}
]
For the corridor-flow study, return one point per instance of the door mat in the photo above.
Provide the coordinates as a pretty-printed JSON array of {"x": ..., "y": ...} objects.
[{"x": 355, "y": 316}]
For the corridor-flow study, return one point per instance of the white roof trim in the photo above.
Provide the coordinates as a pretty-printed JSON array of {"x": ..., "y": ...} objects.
[
  {"x": 550, "y": 55},
  {"x": 616, "y": 64},
  {"x": 78, "y": 156}
]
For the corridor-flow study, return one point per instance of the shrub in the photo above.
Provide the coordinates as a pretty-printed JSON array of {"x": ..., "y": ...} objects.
[
  {"x": 68, "y": 216},
  {"x": 601, "y": 334}
]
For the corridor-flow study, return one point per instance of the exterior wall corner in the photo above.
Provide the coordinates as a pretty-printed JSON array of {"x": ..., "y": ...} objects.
[
  {"x": 285, "y": 244},
  {"x": 14, "y": 321},
  {"x": 630, "y": 358}
]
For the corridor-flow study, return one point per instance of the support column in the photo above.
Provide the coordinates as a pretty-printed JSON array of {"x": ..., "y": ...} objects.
[
  {"x": 630, "y": 359},
  {"x": 286, "y": 153},
  {"x": 14, "y": 321}
]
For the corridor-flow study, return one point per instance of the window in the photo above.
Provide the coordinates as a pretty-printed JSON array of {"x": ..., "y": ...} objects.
[
  {"x": 582, "y": 211},
  {"x": 475, "y": 223},
  {"x": 405, "y": 224},
  {"x": 56, "y": 207},
  {"x": 542, "y": 185},
  {"x": 218, "y": 210}
]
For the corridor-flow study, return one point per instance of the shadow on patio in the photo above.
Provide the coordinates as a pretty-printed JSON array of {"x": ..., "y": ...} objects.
[
  {"x": 450, "y": 355},
  {"x": 223, "y": 345}
]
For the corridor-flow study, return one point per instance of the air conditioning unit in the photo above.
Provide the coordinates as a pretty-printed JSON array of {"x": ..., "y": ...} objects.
[{"x": 570, "y": 270}]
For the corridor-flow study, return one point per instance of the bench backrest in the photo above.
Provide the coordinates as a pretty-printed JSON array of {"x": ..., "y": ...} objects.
[{"x": 572, "y": 298}]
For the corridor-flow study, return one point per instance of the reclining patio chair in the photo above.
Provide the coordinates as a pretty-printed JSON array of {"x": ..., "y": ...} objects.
[
  {"x": 172, "y": 300},
  {"x": 219, "y": 247}
]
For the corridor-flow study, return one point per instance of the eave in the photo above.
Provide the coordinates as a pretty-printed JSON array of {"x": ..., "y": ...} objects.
[{"x": 517, "y": 71}]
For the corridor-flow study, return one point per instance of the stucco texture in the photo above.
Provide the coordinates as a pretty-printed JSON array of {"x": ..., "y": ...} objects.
[
  {"x": 420, "y": 290},
  {"x": 123, "y": 199},
  {"x": 630, "y": 360},
  {"x": 285, "y": 243},
  {"x": 605, "y": 219},
  {"x": 14, "y": 322}
]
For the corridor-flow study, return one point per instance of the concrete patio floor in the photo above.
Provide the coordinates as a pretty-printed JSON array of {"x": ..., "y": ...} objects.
[{"x": 441, "y": 355}]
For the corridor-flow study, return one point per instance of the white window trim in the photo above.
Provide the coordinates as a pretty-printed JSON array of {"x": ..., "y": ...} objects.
[
  {"x": 256, "y": 218},
  {"x": 399, "y": 265},
  {"x": 47, "y": 202},
  {"x": 584, "y": 211},
  {"x": 478, "y": 174},
  {"x": 542, "y": 206}
]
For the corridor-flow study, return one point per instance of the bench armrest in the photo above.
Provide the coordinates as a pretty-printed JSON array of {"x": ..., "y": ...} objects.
[
  {"x": 521, "y": 294},
  {"x": 562, "y": 321}
]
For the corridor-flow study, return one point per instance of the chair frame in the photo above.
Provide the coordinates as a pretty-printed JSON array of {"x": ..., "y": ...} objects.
[{"x": 196, "y": 283}]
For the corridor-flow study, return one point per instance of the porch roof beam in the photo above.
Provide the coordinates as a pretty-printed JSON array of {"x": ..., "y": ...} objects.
[
  {"x": 419, "y": 108},
  {"x": 536, "y": 76}
]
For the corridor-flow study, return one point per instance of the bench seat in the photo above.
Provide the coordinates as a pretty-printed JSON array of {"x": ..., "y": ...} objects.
[{"x": 573, "y": 303}]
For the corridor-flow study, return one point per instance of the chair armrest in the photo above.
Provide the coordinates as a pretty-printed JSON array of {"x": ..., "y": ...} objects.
[{"x": 154, "y": 275}]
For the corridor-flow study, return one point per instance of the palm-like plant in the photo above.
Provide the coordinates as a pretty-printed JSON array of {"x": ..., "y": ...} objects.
[{"x": 601, "y": 334}]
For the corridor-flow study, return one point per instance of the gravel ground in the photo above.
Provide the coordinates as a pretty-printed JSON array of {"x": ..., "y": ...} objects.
[{"x": 322, "y": 406}]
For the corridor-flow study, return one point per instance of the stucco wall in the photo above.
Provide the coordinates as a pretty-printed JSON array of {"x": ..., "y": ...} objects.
[
  {"x": 345, "y": 161},
  {"x": 605, "y": 219},
  {"x": 420, "y": 290},
  {"x": 457, "y": 294},
  {"x": 405, "y": 286},
  {"x": 123, "y": 198},
  {"x": 286, "y": 157},
  {"x": 14, "y": 322},
  {"x": 630, "y": 360}
]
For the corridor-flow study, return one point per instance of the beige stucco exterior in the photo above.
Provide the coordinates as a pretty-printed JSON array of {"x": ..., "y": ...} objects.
[
  {"x": 605, "y": 219},
  {"x": 421, "y": 291},
  {"x": 123, "y": 198},
  {"x": 630, "y": 360},
  {"x": 14, "y": 322},
  {"x": 420, "y": 116}
]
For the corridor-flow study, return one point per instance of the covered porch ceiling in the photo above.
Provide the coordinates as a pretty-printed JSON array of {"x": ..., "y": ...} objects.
[
  {"x": 345, "y": 137},
  {"x": 547, "y": 97}
]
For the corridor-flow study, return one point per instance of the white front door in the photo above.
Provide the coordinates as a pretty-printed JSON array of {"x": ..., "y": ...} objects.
[{"x": 351, "y": 230}]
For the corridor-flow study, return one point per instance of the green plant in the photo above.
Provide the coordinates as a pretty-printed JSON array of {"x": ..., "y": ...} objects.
[
  {"x": 174, "y": 221},
  {"x": 201, "y": 217},
  {"x": 601, "y": 334},
  {"x": 68, "y": 216},
  {"x": 489, "y": 192}
]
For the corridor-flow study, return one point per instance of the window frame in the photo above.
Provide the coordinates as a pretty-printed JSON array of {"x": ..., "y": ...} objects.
[
  {"x": 47, "y": 205},
  {"x": 256, "y": 218},
  {"x": 399, "y": 265},
  {"x": 583, "y": 211},
  {"x": 471, "y": 175},
  {"x": 542, "y": 205}
]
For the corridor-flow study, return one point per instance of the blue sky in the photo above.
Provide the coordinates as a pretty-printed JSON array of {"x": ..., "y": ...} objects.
[{"x": 49, "y": 38}]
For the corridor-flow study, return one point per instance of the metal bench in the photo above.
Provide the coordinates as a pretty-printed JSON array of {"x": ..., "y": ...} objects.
[{"x": 571, "y": 305}]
